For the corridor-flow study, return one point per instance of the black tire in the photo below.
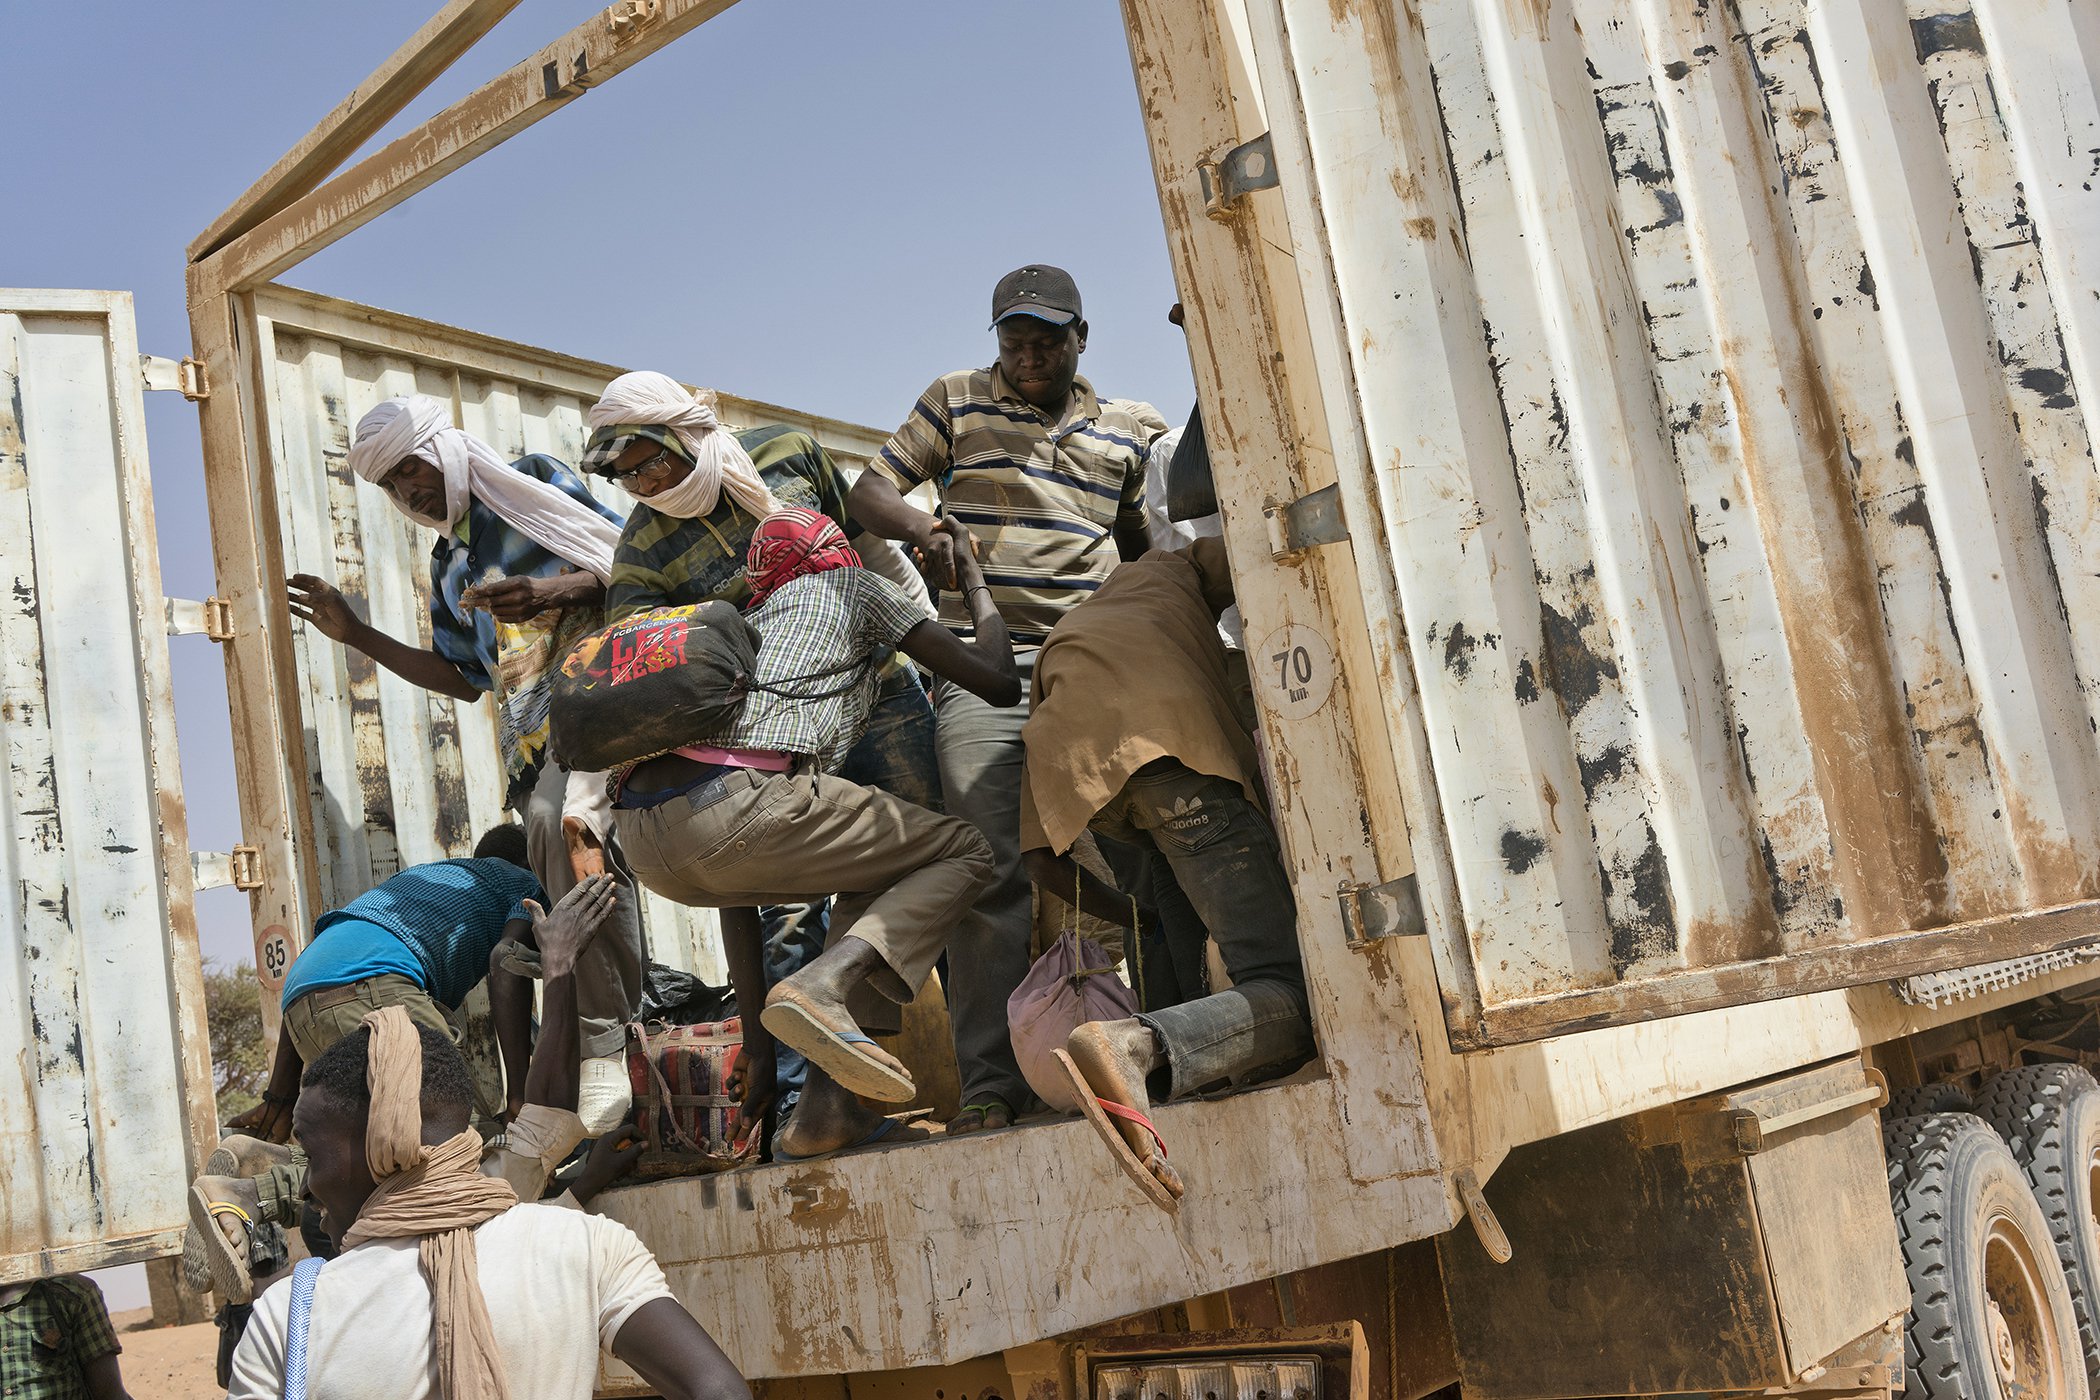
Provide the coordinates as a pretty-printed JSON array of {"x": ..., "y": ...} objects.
[
  {"x": 2055, "y": 1138},
  {"x": 2010, "y": 1098},
  {"x": 1928, "y": 1098},
  {"x": 1984, "y": 1276}
]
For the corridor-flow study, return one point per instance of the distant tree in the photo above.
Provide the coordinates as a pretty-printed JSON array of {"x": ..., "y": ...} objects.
[{"x": 233, "y": 1015}]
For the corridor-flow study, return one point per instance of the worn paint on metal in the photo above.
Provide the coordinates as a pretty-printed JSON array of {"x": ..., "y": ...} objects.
[
  {"x": 394, "y": 774},
  {"x": 104, "y": 1070},
  {"x": 1752, "y": 486}
]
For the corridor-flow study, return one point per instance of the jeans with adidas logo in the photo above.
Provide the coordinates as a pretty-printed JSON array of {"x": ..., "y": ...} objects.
[{"x": 1222, "y": 853}]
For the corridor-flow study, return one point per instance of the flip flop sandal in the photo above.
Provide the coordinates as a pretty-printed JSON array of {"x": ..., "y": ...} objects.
[
  {"x": 833, "y": 1052},
  {"x": 1098, "y": 1111},
  {"x": 226, "y": 1261}
]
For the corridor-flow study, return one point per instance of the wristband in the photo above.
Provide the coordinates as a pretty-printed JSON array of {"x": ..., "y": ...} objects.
[{"x": 978, "y": 588}]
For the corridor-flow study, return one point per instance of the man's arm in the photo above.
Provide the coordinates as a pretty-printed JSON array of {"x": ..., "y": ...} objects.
[
  {"x": 983, "y": 666},
  {"x": 104, "y": 1380},
  {"x": 320, "y": 604},
  {"x": 1132, "y": 540},
  {"x": 1060, "y": 875},
  {"x": 510, "y": 1012},
  {"x": 882, "y": 510},
  {"x": 271, "y": 1119},
  {"x": 744, "y": 949},
  {"x": 673, "y": 1354}
]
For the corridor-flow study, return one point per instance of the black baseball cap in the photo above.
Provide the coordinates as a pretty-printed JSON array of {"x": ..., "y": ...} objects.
[{"x": 1047, "y": 293}]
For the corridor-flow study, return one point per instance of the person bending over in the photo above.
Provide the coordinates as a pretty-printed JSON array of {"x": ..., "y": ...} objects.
[{"x": 1133, "y": 732}]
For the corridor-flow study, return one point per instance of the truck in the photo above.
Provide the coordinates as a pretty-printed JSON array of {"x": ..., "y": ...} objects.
[{"x": 1653, "y": 457}]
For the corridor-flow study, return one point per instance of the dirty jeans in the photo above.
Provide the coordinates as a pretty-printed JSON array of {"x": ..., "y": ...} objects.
[
  {"x": 1222, "y": 852},
  {"x": 609, "y": 973},
  {"x": 1169, "y": 968},
  {"x": 901, "y": 875},
  {"x": 981, "y": 760},
  {"x": 897, "y": 755}
]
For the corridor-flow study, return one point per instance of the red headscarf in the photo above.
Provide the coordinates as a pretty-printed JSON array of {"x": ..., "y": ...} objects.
[{"x": 790, "y": 543}]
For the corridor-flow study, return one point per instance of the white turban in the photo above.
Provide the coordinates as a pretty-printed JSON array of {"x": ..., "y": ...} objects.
[
  {"x": 646, "y": 398},
  {"x": 418, "y": 426}
]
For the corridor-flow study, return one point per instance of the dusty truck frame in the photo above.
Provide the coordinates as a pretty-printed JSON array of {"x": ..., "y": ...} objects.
[{"x": 1653, "y": 459}]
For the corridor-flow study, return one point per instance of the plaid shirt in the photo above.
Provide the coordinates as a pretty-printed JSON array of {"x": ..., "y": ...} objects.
[
  {"x": 49, "y": 1335},
  {"x": 667, "y": 562},
  {"x": 1042, "y": 496},
  {"x": 822, "y": 636}
]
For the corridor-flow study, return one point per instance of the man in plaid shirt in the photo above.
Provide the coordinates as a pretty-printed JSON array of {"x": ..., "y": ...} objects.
[
  {"x": 755, "y": 814},
  {"x": 56, "y": 1342}
]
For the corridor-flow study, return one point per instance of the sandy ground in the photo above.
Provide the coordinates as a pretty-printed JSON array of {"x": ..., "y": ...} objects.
[{"x": 167, "y": 1363}]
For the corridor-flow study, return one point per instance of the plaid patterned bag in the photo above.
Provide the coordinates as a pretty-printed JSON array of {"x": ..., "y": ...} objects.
[{"x": 680, "y": 1076}]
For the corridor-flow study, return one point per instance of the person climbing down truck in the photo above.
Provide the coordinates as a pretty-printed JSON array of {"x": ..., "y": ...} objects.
[
  {"x": 518, "y": 570},
  {"x": 754, "y": 813},
  {"x": 1132, "y": 734}
]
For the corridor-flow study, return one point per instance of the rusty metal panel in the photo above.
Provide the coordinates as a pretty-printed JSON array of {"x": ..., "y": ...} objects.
[
  {"x": 1708, "y": 383},
  {"x": 108, "y": 1081},
  {"x": 396, "y": 775}
]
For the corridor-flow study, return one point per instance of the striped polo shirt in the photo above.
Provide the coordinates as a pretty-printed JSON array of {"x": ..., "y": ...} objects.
[{"x": 1042, "y": 496}]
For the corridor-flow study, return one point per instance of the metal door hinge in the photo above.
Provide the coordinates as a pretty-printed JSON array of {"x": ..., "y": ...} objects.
[
  {"x": 1236, "y": 172},
  {"x": 213, "y": 617},
  {"x": 240, "y": 867},
  {"x": 1390, "y": 910},
  {"x": 629, "y": 18},
  {"x": 1299, "y": 525},
  {"x": 185, "y": 376}
]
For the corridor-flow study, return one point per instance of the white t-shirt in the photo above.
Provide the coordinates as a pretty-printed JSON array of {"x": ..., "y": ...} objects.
[{"x": 560, "y": 1284}]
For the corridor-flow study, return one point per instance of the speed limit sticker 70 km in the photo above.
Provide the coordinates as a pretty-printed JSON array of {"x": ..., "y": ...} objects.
[{"x": 1294, "y": 668}]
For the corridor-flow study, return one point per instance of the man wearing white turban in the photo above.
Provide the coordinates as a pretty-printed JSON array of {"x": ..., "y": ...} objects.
[
  {"x": 519, "y": 569},
  {"x": 702, "y": 490}
]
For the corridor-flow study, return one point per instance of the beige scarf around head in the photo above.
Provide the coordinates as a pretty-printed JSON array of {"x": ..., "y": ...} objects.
[{"x": 435, "y": 1194}]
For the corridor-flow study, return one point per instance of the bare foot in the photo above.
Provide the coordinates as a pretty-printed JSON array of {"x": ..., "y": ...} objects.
[
  {"x": 827, "y": 1118},
  {"x": 1115, "y": 1057}
]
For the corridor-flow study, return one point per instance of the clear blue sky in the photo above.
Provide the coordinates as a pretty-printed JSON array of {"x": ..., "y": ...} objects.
[{"x": 806, "y": 201}]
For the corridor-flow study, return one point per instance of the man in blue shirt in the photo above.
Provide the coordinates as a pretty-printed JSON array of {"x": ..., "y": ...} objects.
[{"x": 517, "y": 574}]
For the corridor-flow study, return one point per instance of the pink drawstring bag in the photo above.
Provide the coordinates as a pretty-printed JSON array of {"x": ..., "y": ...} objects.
[{"x": 1072, "y": 983}]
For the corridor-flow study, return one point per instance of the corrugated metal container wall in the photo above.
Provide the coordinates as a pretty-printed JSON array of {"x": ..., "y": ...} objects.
[
  {"x": 395, "y": 774},
  {"x": 108, "y": 1084},
  {"x": 1718, "y": 412}
]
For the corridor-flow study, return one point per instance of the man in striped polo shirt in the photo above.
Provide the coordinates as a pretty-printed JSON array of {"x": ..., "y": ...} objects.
[{"x": 1050, "y": 478}]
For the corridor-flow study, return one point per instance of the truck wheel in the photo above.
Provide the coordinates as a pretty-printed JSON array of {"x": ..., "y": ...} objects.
[
  {"x": 1990, "y": 1315},
  {"x": 2011, "y": 1097},
  {"x": 1927, "y": 1098},
  {"x": 2055, "y": 1137}
]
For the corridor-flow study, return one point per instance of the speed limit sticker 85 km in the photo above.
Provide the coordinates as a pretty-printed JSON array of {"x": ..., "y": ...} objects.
[{"x": 1294, "y": 668}]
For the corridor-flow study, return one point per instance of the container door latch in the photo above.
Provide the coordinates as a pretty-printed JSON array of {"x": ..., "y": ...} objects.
[{"x": 1236, "y": 172}]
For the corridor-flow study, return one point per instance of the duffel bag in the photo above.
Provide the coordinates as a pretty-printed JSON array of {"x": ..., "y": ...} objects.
[
  {"x": 655, "y": 682},
  {"x": 680, "y": 1076}
]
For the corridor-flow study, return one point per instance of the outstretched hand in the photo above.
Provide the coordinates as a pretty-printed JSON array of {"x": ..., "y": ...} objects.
[
  {"x": 963, "y": 546},
  {"x": 564, "y": 934},
  {"x": 321, "y": 604},
  {"x": 934, "y": 552},
  {"x": 272, "y": 1122}
]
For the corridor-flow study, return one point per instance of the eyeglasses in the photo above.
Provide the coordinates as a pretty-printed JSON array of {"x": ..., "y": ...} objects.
[{"x": 640, "y": 469}]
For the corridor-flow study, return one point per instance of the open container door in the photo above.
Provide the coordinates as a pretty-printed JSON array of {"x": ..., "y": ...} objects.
[
  {"x": 1713, "y": 394},
  {"x": 108, "y": 1092}
]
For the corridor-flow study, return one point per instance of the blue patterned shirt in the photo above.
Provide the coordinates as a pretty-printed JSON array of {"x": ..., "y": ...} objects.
[
  {"x": 484, "y": 547},
  {"x": 449, "y": 913}
]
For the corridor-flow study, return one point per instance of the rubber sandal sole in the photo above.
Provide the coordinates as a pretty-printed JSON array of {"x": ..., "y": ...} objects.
[
  {"x": 228, "y": 1266},
  {"x": 1090, "y": 1106},
  {"x": 885, "y": 1132},
  {"x": 794, "y": 1024}
]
